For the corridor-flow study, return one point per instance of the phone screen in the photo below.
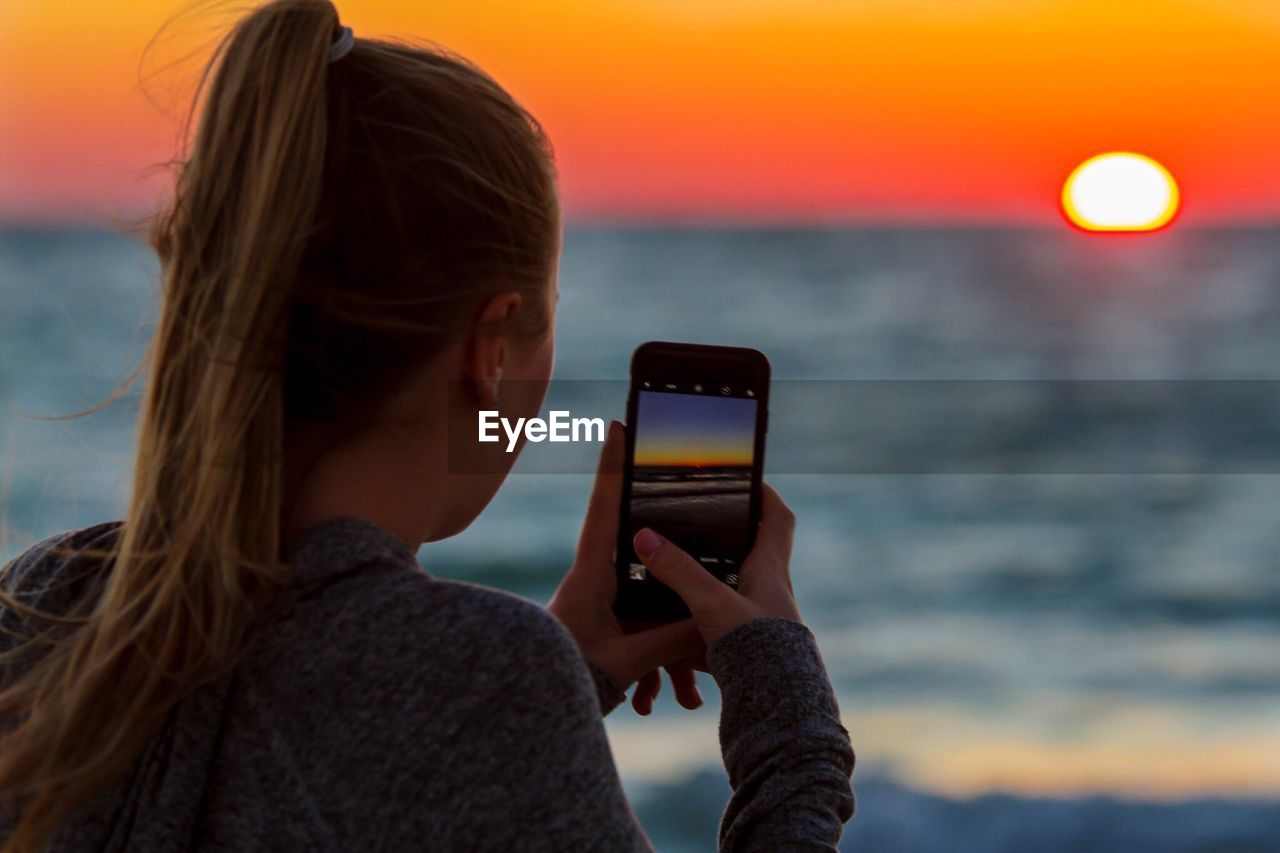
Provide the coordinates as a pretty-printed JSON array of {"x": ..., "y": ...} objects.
[{"x": 691, "y": 474}]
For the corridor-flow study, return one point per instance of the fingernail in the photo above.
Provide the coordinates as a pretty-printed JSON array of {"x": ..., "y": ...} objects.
[{"x": 646, "y": 542}]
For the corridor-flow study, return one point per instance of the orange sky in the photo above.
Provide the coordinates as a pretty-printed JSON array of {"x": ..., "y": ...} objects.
[{"x": 861, "y": 109}]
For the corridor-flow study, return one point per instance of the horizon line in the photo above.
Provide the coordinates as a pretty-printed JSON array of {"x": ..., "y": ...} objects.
[{"x": 125, "y": 226}]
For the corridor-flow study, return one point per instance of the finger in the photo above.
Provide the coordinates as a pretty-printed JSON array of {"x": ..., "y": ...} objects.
[
  {"x": 647, "y": 689},
  {"x": 600, "y": 528},
  {"x": 685, "y": 683},
  {"x": 777, "y": 525},
  {"x": 697, "y": 662},
  {"x": 666, "y": 644},
  {"x": 675, "y": 568}
]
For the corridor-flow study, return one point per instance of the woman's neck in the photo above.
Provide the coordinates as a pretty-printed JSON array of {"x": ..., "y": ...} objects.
[{"x": 364, "y": 475}]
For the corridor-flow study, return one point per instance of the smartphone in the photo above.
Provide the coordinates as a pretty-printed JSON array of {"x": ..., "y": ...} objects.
[{"x": 696, "y": 422}]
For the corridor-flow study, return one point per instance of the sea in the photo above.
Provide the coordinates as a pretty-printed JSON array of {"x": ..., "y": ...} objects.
[
  {"x": 1036, "y": 474},
  {"x": 703, "y": 509}
]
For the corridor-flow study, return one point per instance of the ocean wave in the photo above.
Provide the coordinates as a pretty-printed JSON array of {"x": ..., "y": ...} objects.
[{"x": 895, "y": 818}]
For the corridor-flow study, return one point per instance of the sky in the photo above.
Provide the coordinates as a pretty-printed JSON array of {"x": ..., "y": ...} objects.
[
  {"x": 687, "y": 429},
  {"x": 880, "y": 110}
]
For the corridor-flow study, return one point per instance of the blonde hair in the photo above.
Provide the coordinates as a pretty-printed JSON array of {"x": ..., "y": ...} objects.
[{"x": 333, "y": 225}]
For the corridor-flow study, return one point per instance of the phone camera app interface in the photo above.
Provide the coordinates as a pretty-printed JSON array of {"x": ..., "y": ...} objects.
[{"x": 691, "y": 477}]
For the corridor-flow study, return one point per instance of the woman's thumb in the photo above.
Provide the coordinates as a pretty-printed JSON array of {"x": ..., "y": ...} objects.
[{"x": 675, "y": 568}]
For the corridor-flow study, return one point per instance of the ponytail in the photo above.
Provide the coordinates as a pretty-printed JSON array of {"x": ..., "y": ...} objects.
[
  {"x": 201, "y": 542},
  {"x": 332, "y": 227}
]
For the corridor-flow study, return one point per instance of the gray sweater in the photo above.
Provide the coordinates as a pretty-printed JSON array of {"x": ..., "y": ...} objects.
[{"x": 378, "y": 707}]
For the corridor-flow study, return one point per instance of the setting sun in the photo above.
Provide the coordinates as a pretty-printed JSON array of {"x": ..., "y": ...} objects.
[{"x": 1120, "y": 191}]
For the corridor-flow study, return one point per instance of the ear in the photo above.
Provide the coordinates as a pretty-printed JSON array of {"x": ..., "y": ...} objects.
[{"x": 485, "y": 354}]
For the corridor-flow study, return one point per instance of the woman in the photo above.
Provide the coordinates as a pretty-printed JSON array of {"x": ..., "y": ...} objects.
[{"x": 253, "y": 659}]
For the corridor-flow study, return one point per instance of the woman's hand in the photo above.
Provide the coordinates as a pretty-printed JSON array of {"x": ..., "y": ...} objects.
[
  {"x": 584, "y": 602},
  {"x": 683, "y": 678},
  {"x": 764, "y": 588}
]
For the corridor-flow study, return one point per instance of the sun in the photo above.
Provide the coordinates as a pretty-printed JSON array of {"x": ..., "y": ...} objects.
[{"x": 1120, "y": 191}]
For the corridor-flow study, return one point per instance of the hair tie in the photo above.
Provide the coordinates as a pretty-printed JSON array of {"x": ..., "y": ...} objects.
[{"x": 342, "y": 46}]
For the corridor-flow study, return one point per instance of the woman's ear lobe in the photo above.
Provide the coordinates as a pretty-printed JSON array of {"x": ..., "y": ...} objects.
[
  {"x": 495, "y": 385},
  {"x": 487, "y": 389}
]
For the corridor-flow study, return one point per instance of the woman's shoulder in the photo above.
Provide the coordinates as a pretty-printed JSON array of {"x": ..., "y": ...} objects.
[
  {"x": 404, "y": 617},
  {"x": 53, "y": 571},
  {"x": 394, "y": 641},
  {"x": 470, "y": 616},
  {"x": 59, "y": 547},
  {"x": 362, "y": 580},
  {"x": 54, "y": 576}
]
